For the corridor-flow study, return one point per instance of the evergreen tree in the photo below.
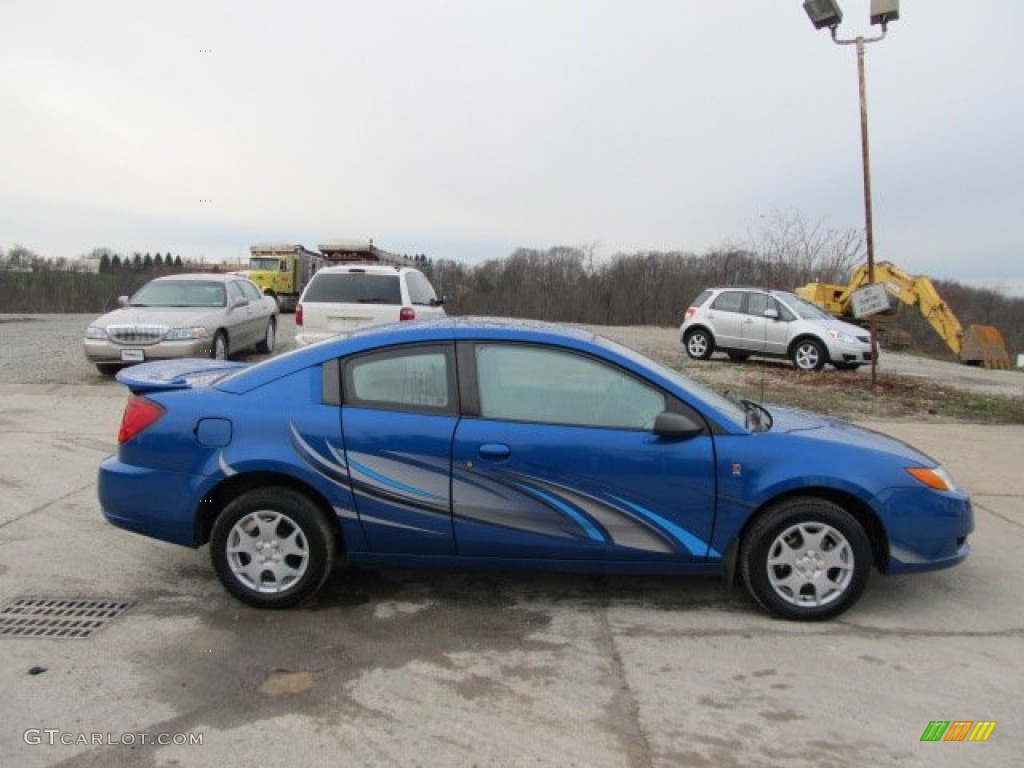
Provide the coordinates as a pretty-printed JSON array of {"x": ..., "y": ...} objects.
[
  {"x": 177, "y": 261},
  {"x": 137, "y": 262},
  {"x": 105, "y": 264},
  {"x": 115, "y": 263},
  {"x": 158, "y": 260},
  {"x": 147, "y": 262}
]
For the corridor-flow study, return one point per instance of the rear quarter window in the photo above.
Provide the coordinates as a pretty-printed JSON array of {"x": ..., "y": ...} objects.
[
  {"x": 354, "y": 288},
  {"x": 420, "y": 289},
  {"x": 701, "y": 300}
]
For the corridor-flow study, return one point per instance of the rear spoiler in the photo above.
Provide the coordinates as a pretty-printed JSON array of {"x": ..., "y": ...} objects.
[{"x": 164, "y": 375}]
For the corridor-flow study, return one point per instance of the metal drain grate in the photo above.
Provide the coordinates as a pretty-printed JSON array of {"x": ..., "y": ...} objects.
[{"x": 58, "y": 618}]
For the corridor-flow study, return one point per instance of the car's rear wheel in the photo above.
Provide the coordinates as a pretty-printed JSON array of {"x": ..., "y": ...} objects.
[
  {"x": 269, "y": 337},
  {"x": 272, "y": 547},
  {"x": 219, "y": 348},
  {"x": 699, "y": 344},
  {"x": 808, "y": 355},
  {"x": 806, "y": 559}
]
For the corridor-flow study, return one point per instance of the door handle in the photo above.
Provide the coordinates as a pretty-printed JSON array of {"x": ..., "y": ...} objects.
[{"x": 494, "y": 451}]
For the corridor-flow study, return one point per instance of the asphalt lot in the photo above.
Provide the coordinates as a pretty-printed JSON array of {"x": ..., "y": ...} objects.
[{"x": 460, "y": 669}]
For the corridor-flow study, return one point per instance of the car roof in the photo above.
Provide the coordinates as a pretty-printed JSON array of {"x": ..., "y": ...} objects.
[
  {"x": 377, "y": 269},
  {"x": 215, "y": 277},
  {"x": 419, "y": 331}
]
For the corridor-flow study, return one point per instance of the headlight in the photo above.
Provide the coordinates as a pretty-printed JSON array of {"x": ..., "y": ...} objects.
[
  {"x": 182, "y": 334},
  {"x": 95, "y": 332},
  {"x": 934, "y": 477},
  {"x": 845, "y": 338}
]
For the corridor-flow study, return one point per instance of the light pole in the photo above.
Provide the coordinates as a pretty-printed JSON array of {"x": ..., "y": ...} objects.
[{"x": 827, "y": 13}]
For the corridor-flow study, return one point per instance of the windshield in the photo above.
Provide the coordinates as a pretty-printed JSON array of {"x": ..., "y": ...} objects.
[
  {"x": 806, "y": 310},
  {"x": 180, "y": 293}
]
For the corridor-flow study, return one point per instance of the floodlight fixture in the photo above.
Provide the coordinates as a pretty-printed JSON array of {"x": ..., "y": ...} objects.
[
  {"x": 824, "y": 13},
  {"x": 884, "y": 11}
]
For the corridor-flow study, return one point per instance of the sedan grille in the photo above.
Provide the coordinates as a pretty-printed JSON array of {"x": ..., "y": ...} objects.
[{"x": 136, "y": 334}]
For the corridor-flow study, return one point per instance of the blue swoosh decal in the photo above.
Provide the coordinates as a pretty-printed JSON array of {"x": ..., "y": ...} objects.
[
  {"x": 393, "y": 483},
  {"x": 687, "y": 539},
  {"x": 561, "y": 506}
]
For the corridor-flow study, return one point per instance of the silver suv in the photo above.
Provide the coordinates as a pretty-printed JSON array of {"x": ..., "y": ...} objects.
[
  {"x": 342, "y": 298},
  {"x": 751, "y": 321}
]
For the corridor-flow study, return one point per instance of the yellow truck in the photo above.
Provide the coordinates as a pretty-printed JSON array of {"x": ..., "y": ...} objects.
[
  {"x": 281, "y": 270},
  {"x": 977, "y": 345}
]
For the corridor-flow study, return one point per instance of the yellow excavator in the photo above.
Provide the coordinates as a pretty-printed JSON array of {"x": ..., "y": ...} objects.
[{"x": 977, "y": 345}]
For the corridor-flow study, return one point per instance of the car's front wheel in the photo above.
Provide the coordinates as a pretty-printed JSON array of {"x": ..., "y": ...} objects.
[
  {"x": 808, "y": 355},
  {"x": 699, "y": 344},
  {"x": 806, "y": 559},
  {"x": 272, "y": 547},
  {"x": 219, "y": 348}
]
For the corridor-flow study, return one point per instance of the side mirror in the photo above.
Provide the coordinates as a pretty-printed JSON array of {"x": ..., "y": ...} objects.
[
  {"x": 122, "y": 301},
  {"x": 676, "y": 426},
  {"x": 240, "y": 302},
  {"x": 438, "y": 302},
  {"x": 771, "y": 314}
]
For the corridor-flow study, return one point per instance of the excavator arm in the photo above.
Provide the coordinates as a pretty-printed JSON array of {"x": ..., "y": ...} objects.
[
  {"x": 919, "y": 291},
  {"x": 978, "y": 345}
]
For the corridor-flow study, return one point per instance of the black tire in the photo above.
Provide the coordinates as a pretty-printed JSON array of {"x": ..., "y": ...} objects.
[
  {"x": 831, "y": 558},
  {"x": 219, "y": 348},
  {"x": 738, "y": 357},
  {"x": 808, "y": 355},
  {"x": 291, "y": 535},
  {"x": 699, "y": 344},
  {"x": 269, "y": 337}
]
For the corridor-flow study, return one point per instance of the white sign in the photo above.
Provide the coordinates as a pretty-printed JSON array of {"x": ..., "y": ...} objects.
[{"x": 870, "y": 300}]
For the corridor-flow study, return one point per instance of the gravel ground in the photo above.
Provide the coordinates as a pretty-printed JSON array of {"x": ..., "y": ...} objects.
[{"x": 47, "y": 349}]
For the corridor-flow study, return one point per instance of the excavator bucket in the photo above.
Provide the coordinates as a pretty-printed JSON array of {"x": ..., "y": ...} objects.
[{"x": 984, "y": 345}]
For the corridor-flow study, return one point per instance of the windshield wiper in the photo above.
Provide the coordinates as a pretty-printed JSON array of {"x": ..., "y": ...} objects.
[{"x": 758, "y": 418}]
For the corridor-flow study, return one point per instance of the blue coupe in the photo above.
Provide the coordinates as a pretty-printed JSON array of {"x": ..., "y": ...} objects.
[{"x": 517, "y": 445}]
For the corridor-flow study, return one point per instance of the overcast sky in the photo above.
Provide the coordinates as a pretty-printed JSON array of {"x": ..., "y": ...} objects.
[{"x": 466, "y": 128}]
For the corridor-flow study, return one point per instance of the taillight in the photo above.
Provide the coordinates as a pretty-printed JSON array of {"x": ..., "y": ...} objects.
[
  {"x": 139, "y": 414},
  {"x": 298, "y": 314},
  {"x": 691, "y": 311},
  {"x": 407, "y": 313}
]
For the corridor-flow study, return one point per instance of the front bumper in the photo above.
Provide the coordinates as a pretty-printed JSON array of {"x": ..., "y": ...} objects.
[
  {"x": 105, "y": 351},
  {"x": 928, "y": 530}
]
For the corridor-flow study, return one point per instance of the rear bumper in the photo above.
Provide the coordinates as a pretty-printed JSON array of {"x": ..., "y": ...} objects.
[{"x": 150, "y": 502}]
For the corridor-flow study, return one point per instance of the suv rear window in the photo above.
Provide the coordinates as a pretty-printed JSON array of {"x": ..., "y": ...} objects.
[{"x": 354, "y": 288}]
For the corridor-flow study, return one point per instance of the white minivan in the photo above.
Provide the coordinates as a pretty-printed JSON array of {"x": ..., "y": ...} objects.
[{"x": 342, "y": 298}]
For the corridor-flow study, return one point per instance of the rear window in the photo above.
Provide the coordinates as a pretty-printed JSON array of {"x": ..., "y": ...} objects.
[{"x": 354, "y": 288}]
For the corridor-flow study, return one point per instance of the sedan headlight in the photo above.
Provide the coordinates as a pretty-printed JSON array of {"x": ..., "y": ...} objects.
[
  {"x": 183, "y": 334},
  {"x": 934, "y": 477},
  {"x": 95, "y": 332},
  {"x": 845, "y": 338}
]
